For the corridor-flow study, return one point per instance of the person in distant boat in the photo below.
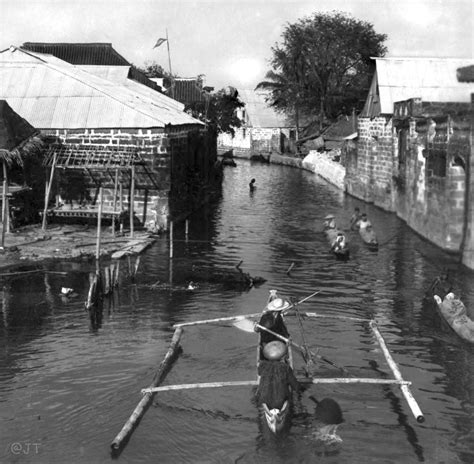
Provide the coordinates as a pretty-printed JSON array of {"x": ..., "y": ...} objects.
[
  {"x": 364, "y": 223},
  {"x": 355, "y": 219},
  {"x": 329, "y": 222},
  {"x": 339, "y": 243},
  {"x": 277, "y": 379},
  {"x": 252, "y": 185}
]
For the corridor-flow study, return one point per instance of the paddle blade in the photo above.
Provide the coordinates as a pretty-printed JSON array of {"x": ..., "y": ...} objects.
[{"x": 245, "y": 324}]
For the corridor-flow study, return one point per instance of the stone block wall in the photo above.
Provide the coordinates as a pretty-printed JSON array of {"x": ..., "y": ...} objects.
[
  {"x": 431, "y": 190},
  {"x": 369, "y": 170},
  {"x": 323, "y": 165}
]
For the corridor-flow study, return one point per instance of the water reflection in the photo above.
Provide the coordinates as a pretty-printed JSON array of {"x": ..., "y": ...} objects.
[{"x": 83, "y": 380}]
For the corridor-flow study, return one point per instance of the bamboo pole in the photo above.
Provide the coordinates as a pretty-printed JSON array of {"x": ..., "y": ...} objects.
[
  {"x": 415, "y": 409},
  {"x": 99, "y": 226},
  {"x": 48, "y": 192},
  {"x": 186, "y": 229},
  {"x": 219, "y": 319},
  {"x": 171, "y": 239},
  {"x": 121, "y": 206},
  {"x": 147, "y": 399},
  {"x": 243, "y": 383},
  {"x": 350, "y": 380},
  {"x": 189, "y": 386},
  {"x": 4, "y": 212},
  {"x": 115, "y": 201},
  {"x": 132, "y": 199},
  {"x": 333, "y": 316}
]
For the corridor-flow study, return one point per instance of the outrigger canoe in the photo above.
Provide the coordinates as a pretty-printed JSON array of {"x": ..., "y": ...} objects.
[
  {"x": 453, "y": 311},
  {"x": 276, "y": 420}
]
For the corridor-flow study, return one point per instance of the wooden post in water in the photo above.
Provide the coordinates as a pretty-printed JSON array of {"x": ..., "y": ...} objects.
[
  {"x": 186, "y": 229},
  {"x": 115, "y": 202},
  {"x": 171, "y": 239},
  {"x": 132, "y": 199},
  {"x": 48, "y": 192},
  {"x": 4, "y": 212},
  {"x": 123, "y": 436},
  {"x": 99, "y": 226}
]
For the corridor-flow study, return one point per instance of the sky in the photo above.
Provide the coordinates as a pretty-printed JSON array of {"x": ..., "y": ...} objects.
[{"x": 230, "y": 41}]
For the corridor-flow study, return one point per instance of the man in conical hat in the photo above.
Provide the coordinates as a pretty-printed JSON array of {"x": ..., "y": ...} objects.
[{"x": 329, "y": 222}]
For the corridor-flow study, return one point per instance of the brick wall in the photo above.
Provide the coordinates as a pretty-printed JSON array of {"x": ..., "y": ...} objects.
[{"x": 183, "y": 155}]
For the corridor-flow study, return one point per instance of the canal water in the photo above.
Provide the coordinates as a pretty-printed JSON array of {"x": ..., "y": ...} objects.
[{"x": 67, "y": 385}]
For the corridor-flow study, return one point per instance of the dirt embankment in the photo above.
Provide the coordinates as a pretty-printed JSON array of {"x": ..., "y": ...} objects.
[{"x": 65, "y": 242}]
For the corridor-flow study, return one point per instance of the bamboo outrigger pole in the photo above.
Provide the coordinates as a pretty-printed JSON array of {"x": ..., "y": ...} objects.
[
  {"x": 123, "y": 436},
  {"x": 415, "y": 409}
]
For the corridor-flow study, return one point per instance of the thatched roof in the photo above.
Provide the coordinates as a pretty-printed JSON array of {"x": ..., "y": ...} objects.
[{"x": 14, "y": 130}]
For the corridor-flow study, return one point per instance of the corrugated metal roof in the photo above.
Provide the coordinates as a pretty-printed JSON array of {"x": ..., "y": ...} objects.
[
  {"x": 80, "y": 53},
  {"x": 431, "y": 79},
  {"x": 258, "y": 111},
  {"x": 187, "y": 91},
  {"x": 53, "y": 94}
]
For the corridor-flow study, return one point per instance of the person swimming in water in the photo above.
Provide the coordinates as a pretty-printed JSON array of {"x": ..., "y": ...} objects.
[{"x": 252, "y": 185}]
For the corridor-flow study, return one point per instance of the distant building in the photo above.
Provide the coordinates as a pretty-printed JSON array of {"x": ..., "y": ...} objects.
[
  {"x": 97, "y": 112},
  {"x": 263, "y": 131},
  {"x": 413, "y": 145}
]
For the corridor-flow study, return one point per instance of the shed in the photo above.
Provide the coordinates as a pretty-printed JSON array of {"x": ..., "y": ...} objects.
[{"x": 431, "y": 79}]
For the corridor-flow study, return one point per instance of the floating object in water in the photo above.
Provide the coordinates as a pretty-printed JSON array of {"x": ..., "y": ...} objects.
[{"x": 65, "y": 291}]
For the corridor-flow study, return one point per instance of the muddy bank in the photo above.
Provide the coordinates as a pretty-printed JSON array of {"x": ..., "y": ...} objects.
[{"x": 31, "y": 244}]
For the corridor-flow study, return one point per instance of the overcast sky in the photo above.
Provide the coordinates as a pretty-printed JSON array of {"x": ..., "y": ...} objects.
[{"x": 229, "y": 41}]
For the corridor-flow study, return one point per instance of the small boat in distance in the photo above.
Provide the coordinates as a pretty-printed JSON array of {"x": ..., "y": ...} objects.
[
  {"x": 366, "y": 232},
  {"x": 336, "y": 238}
]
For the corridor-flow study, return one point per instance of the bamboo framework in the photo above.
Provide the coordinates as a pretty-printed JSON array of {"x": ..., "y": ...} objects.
[{"x": 149, "y": 392}]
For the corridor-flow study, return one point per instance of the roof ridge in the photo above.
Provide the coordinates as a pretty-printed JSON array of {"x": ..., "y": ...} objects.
[{"x": 98, "y": 87}]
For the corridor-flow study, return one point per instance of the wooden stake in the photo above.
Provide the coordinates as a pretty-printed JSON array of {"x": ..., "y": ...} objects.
[
  {"x": 132, "y": 199},
  {"x": 4, "y": 212},
  {"x": 415, "y": 409},
  {"x": 147, "y": 399},
  {"x": 171, "y": 239},
  {"x": 115, "y": 201},
  {"x": 186, "y": 229},
  {"x": 99, "y": 226},
  {"x": 48, "y": 192}
]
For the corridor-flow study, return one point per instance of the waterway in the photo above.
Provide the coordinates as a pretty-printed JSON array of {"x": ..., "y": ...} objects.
[{"x": 68, "y": 385}]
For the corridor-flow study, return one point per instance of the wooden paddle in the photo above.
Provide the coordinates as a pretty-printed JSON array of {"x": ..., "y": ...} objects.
[{"x": 249, "y": 326}]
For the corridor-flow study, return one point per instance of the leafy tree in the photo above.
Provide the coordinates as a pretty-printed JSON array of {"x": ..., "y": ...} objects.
[
  {"x": 218, "y": 111},
  {"x": 153, "y": 69},
  {"x": 323, "y": 65}
]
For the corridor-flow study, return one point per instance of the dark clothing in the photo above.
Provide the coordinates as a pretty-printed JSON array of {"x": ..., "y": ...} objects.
[
  {"x": 276, "y": 378},
  {"x": 272, "y": 320}
]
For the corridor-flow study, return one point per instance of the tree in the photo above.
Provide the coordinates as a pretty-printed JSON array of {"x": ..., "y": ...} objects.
[
  {"x": 153, "y": 69},
  {"x": 323, "y": 65},
  {"x": 218, "y": 111}
]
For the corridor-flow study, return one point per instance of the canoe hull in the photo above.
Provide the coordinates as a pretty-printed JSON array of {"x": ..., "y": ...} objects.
[
  {"x": 369, "y": 238},
  {"x": 276, "y": 419},
  {"x": 456, "y": 318},
  {"x": 340, "y": 253}
]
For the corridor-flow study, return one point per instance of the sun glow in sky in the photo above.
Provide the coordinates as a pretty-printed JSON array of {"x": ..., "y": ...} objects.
[{"x": 229, "y": 41}]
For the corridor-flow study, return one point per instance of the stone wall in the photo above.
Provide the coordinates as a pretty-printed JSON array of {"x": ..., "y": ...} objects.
[
  {"x": 433, "y": 148},
  {"x": 180, "y": 156},
  {"x": 369, "y": 169},
  {"x": 323, "y": 165}
]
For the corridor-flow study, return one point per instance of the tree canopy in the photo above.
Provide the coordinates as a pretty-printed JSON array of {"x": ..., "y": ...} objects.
[
  {"x": 322, "y": 66},
  {"x": 219, "y": 110}
]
